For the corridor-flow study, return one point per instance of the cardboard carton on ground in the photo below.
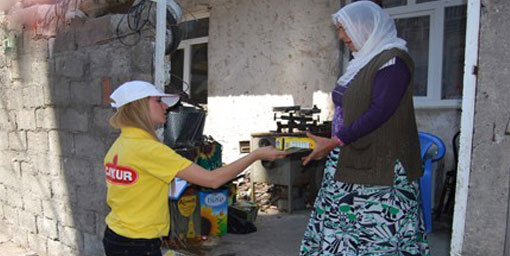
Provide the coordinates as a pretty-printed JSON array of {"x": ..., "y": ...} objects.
[{"x": 214, "y": 211}]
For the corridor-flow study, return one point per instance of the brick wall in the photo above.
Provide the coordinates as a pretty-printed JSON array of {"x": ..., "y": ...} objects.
[{"x": 54, "y": 131}]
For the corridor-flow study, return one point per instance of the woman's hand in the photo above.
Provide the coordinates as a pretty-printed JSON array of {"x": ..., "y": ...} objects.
[
  {"x": 322, "y": 147},
  {"x": 269, "y": 153}
]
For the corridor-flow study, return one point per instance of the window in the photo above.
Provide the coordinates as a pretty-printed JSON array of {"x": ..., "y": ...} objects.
[
  {"x": 454, "y": 44},
  {"x": 392, "y": 3},
  {"x": 188, "y": 65},
  {"x": 415, "y": 31},
  {"x": 435, "y": 32}
]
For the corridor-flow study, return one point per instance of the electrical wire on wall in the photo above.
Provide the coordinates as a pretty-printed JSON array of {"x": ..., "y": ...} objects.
[
  {"x": 184, "y": 89},
  {"x": 136, "y": 21},
  {"x": 141, "y": 14},
  {"x": 60, "y": 8},
  {"x": 182, "y": 93},
  {"x": 185, "y": 28},
  {"x": 58, "y": 11}
]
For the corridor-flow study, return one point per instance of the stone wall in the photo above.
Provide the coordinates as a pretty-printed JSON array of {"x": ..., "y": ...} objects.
[
  {"x": 54, "y": 133},
  {"x": 487, "y": 219}
]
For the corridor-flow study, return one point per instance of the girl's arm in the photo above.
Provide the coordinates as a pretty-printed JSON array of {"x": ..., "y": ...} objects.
[{"x": 214, "y": 179}]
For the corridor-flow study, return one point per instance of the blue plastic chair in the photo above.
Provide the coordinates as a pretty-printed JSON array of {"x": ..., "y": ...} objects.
[{"x": 427, "y": 141}]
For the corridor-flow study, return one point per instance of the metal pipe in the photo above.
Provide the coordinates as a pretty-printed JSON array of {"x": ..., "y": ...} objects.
[{"x": 159, "y": 53}]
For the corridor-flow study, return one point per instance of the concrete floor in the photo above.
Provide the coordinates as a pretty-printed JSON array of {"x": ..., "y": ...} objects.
[
  {"x": 280, "y": 235},
  {"x": 277, "y": 235}
]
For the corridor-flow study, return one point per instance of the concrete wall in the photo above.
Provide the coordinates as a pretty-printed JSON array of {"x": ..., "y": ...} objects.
[
  {"x": 487, "y": 226},
  {"x": 53, "y": 131},
  {"x": 264, "y": 54}
]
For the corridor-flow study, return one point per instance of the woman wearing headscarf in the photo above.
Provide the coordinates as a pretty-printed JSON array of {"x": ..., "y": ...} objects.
[{"x": 369, "y": 203}]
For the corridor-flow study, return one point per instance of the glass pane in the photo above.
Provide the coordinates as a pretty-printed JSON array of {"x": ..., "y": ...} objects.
[
  {"x": 416, "y": 32},
  {"x": 199, "y": 73},
  {"x": 424, "y": 1},
  {"x": 453, "y": 52},
  {"x": 391, "y": 3},
  {"x": 194, "y": 28},
  {"x": 176, "y": 71}
]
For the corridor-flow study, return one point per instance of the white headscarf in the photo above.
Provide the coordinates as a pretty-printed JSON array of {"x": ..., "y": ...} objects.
[{"x": 371, "y": 30}]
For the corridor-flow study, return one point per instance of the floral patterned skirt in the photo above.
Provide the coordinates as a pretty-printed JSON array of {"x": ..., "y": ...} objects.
[{"x": 352, "y": 219}]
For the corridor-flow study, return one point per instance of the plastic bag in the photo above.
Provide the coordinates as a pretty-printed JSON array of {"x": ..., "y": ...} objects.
[{"x": 238, "y": 225}]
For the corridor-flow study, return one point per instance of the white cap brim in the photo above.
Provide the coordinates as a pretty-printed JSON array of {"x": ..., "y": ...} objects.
[{"x": 170, "y": 99}]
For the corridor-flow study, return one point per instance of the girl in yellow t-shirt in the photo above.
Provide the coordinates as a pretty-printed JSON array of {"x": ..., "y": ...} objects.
[{"x": 138, "y": 169}]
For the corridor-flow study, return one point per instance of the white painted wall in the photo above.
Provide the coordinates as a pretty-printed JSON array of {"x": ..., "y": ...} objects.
[{"x": 264, "y": 54}]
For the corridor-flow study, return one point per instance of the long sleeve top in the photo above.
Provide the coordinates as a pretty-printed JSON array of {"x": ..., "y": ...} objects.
[{"x": 389, "y": 86}]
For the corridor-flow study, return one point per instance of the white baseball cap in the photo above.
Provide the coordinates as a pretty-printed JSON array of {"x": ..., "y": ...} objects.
[{"x": 135, "y": 90}]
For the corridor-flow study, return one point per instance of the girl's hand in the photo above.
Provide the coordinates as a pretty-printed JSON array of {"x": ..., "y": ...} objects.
[
  {"x": 269, "y": 153},
  {"x": 322, "y": 147}
]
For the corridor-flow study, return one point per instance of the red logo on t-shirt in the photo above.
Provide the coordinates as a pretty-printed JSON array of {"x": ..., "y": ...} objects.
[{"x": 118, "y": 174}]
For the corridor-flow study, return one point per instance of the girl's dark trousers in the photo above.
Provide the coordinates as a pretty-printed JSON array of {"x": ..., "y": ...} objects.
[{"x": 117, "y": 245}]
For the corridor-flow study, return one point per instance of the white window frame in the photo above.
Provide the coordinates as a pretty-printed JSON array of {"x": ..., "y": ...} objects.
[
  {"x": 432, "y": 77},
  {"x": 435, "y": 10},
  {"x": 186, "y": 45}
]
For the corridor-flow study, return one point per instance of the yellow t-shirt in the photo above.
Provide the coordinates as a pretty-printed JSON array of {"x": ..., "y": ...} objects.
[{"x": 138, "y": 170}]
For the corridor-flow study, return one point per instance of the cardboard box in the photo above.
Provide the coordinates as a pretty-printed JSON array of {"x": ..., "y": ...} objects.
[
  {"x": 214, "y": 211},
  {"x": 185, "y": 216}
]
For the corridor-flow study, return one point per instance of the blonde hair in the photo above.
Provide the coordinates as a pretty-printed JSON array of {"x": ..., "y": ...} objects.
[{"x": 134, "y": 114}]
